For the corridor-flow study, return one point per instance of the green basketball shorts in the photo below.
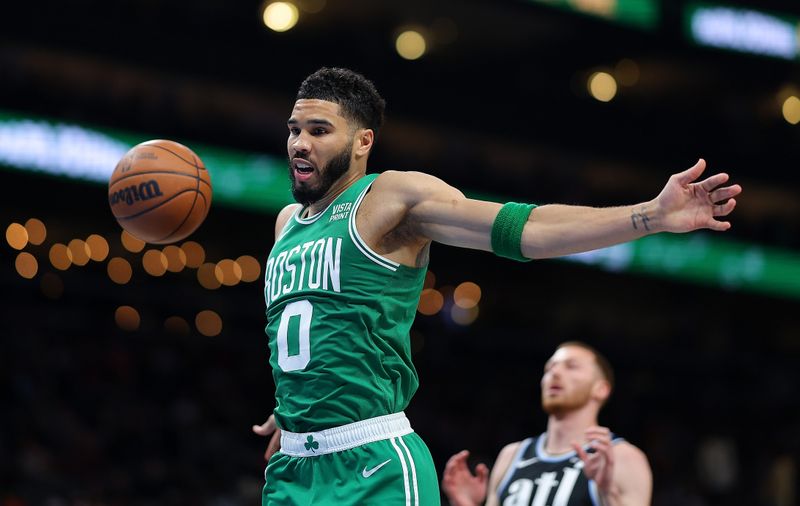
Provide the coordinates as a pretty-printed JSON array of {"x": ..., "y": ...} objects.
[{"x": 380, "y": 461}]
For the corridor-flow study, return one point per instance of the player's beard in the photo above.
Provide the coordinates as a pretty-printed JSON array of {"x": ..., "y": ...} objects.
[
  {"x": 306, "y": 194},
  {"x": 565, "y": 403}
]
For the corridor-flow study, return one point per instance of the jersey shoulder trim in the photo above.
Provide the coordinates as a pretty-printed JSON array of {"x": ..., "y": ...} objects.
[
  {"x": 512, "y": 467},
  {"x": 360, "y": 243}
]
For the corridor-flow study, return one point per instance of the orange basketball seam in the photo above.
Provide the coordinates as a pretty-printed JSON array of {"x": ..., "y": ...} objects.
[
  {"x": 176, "y": 155},
  {"x": 115, "y": 181},
  {"x": 189, "y": 213},
  {"x": 159, "y": 205}
]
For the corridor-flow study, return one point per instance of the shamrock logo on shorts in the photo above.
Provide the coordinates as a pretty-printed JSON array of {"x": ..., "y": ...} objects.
[{"x": 311, "y": 444}]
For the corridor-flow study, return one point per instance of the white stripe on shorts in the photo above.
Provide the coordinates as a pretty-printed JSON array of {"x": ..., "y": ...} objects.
[
  {"x": 413, "y": 470},
  {"x": 405, "y": 472}
]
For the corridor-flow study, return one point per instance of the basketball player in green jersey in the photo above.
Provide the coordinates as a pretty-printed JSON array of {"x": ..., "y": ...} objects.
[
  {"x": 575, "y": 462},
  {"x": 344, "y": 276}
]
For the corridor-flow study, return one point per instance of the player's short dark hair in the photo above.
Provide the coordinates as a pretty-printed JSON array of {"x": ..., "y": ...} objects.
[
  {"x": 357, "y": 97},
  {"x": 602, "y": 362}
]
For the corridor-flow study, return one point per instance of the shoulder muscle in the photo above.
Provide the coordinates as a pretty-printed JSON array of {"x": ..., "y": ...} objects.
[
  {"x": 499, "y": 469},
  {"x": 632, "y": 473},
  {"x": 283, "y": 218}
]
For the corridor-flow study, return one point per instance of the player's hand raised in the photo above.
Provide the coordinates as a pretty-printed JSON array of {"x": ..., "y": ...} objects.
[
  {"x": 461, "y": 486},
  {"x": 265, "y": 429},
  {"x": 685, "y": 205},
  {"x": 598, "y": 462}
]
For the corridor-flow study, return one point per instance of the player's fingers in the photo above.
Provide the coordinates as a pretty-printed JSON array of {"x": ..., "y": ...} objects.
[
  {"x": 456, "y": 462},
  {"x": 261, "y": 430},
  {"x": 274, "y": 445},
  {"x": 600, "y": 446},
  {"x": 725, "y": 193},
  {"x": 724, "y": 209},
  {"x": 483, "y": 472},
  {"x": 266, "y": 428},
  {"x": 581, "y": 453},
  {"x": 691, "y": 173},
  {"x": 712, "y": 182}
]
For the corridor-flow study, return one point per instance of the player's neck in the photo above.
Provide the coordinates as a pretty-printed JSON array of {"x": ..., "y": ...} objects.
[
  {"x": 336, "y": 189},
  {"x": 565, "y": 428}
]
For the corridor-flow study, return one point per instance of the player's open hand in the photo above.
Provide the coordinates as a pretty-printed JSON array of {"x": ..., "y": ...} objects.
[
  {"x": 598, "y": 462},
  {"x": 461, "y": 486},
  {"x": 265, "y": 429},
  {"x": 685, "y": 205}
]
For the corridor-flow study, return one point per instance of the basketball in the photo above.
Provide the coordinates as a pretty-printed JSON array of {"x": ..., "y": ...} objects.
[{"x": 160, "y": 191}]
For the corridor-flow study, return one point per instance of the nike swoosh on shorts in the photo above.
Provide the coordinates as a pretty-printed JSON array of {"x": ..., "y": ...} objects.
[{"x": 367, "y": 473}]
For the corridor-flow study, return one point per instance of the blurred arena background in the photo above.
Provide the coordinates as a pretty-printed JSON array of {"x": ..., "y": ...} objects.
[{"x": 131, "y": 374}]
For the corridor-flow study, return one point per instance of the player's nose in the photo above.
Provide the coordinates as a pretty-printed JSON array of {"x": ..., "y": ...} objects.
[{"x": 300, "y": 144}]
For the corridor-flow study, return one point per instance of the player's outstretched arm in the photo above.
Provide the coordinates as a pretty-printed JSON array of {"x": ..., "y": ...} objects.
[{"x": 439, "y": 212}]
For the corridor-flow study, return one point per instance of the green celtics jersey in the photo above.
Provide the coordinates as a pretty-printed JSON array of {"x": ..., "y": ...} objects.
[{"x": 338, "y": 321}]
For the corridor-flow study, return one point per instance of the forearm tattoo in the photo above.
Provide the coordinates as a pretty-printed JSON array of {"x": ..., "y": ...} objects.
[{"x": 640, "y": 218}]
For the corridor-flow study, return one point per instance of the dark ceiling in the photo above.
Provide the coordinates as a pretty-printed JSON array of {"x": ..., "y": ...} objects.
[{"x": 497, "y": 105}]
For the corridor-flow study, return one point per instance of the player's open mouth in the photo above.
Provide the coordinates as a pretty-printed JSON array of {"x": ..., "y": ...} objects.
[{"x": 302, "y": 168}]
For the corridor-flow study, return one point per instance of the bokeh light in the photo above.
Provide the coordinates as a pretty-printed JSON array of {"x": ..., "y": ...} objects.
[
  {"x": 280, "y": 16},
  {"x": 228, "y": 272},
  {"x": 467, "y": 295},
  {"x": 98, "y": 247},
  {"x": 60, "y": 256},
  {"x": 37, "y": 232},
  {"x": 463, "y": 316},
  {"x": 26, "y": 265},
  {"x": 206, "y": 276},
  {"x": 154, "y": 262},
  {"x": 131, "y": 243},
  {"x": 127, "y": 318},
  {"x": 430, "y": 302},
  {"x": 16, "y": 236},
  {"x": 410, "y": 45},
  {"x": 119, "y": 270},
  {"x": 602, "y": 86},
  {"x": 176, "y": 258},
  {"x": 195, "y": 254},
  {"x": 791, "y": 110},
  {"x": 80, "y": 252},
  {"x": 208, "y": 323},
  {"x": 430, "y": 280},
  {"x": 177, "y": 325},
  {"x": 250, "y": 267}
]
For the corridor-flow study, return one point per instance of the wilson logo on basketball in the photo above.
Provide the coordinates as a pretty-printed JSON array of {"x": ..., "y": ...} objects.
[{"x": 131, "y": 194}]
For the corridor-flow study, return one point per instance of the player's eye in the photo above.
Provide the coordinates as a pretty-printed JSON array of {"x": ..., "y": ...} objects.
[
  {"x": 294, "y": 131},
  {"x": 320, "y": 131}
]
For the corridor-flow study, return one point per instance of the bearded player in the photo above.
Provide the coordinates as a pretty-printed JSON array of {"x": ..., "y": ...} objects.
[{"x": 344, "y": 277}]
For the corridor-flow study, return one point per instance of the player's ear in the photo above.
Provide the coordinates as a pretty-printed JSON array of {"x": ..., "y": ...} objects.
[
  {"x": 364, "y": 138},
  {"x": 601, "y": 390}
]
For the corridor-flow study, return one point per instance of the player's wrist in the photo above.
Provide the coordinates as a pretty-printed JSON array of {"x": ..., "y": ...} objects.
[{"x": 647, "y": 217}]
